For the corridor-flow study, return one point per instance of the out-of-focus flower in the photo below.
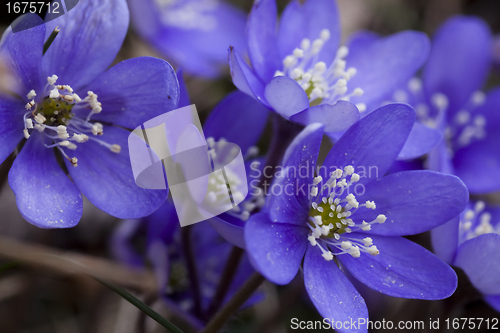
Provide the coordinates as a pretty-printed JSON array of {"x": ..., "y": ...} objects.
[
  {"x": 448, "y": 98},
  {"x": 165, "y": 251},
  {"x": 300, "y": 71},
  {"x": 239, "y": 119},
  {"x": 66, "y": 103},
  {"x": 193, "y": 34},
  {"x": 472, "y": 242},
  {"x": 357, "y": 225}
]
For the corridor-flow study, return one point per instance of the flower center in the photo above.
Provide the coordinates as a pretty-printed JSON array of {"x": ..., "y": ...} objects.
[
  {"x": 54, "y": 117},
  {"x": 322, "y": 83},
  {"x": 330, "y": 219},
  {"x": 475, "y": 222},
  {"x": 189, "y": 15}
]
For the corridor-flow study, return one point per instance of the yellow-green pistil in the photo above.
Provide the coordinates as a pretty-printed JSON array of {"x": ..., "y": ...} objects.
[{"x": 57, "y": 111}]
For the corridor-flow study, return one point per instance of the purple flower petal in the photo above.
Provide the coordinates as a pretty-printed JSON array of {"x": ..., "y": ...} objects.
[
  {"x": 493, "y": 301},
  {"x": 239, "y": 119},
  {"x": 199, "y": 48},
  {"x": 407, "y": 165},
  {"x": 374, "y": 142},
  {"x": 163, "y": 224},
  {"x": 402, "y": 269},
  {"x": 245, "y": 78},
  {"x": 331, "y": 292},
  {"x": 286, "y": 96},
  {"x": 275, "y": 249},
  {"x": 22, "y": 53},
  {"x": 306, "y": 20},
  {"x": 135, "y": 90},
  {"x": 144, "y": 17},
  {"x": 11, "y": 133},
  {"x": 409, "y": 204},
  {"x": 479, "y": 258},
  {"x": 106, "y": 178},
  {"x": 337, "y": 117},
  {"x": 445, "y": 240},
  {"x": 478, "y": 165},
  {"x": 439, "y": 159},
  {"x": 291, "y": 203},
  {"x": 459, "y": 60},
  {"x": 91, "y": 35},
  {"x": 261, "y": 37},
  {"x": 421, "y": 140},
  {"x": 361, "y": 40},
  {"x": 45, "y": 196},
  {"x": 387, "y": 64}
]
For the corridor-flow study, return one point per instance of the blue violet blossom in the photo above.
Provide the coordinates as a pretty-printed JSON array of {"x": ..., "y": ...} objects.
[
  {"x": 357, "y": 225},
  {"x": 448, "y": 98},
  {"x": 66, "y": 103},
  {"x": 471, "y": 241},
  {"x": 301, "y": 72}
]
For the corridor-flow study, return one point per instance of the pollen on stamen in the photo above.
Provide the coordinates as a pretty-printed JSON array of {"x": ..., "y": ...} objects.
[
  {"x": 440, "y": 101},
  {"x": 40, "y": 119},
  {"x": 116, "y": 148},
  {"x": 373, "y": 250},
  {"x": 368, "y": 241}
]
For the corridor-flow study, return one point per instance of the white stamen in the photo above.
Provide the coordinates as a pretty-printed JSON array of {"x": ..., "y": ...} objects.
[
  {"x": 54, "y": 93},
  {"x": 373, "y": 250},
  {"x": 478, "y": 98},
  {"x": 39, "y": 118},
  {"x": 52, "y": 79}
]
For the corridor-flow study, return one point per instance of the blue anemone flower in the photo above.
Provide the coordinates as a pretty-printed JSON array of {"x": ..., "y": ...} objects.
[
  {"x": 193, "y": 34},
  {"x": 471, "y": 241},
  {"x": 448, "y": 98},
  {"x": 300, "y": 71},
  {"x": 357, "y": 225},
  {"x": 164, "y": 250},
  {"x": 66, "y": 104}
]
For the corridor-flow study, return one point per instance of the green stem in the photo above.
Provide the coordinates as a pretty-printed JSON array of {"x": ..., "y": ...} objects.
[
  {"x": 230, "y": 308},
  {"x": 50, "y": 40},
  {"x": 141, "y": 306}
]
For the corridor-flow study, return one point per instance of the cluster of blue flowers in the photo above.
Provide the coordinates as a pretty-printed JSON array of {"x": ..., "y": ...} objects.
[{"x": 408, "y": 147}]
